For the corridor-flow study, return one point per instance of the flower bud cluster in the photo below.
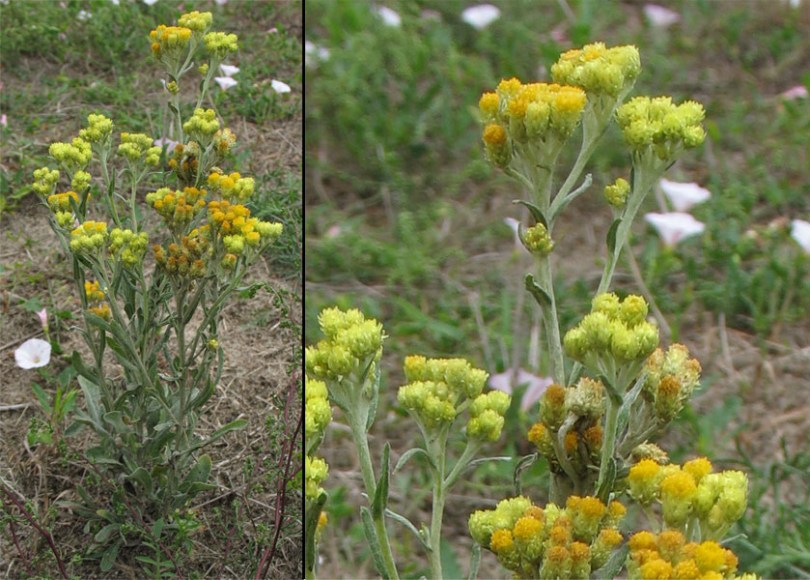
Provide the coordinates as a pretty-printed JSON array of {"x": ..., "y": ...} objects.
[
  {"x": 73, "y": 156},
  {"x": 237, "y": 230},
  {"x": 197, "y": 22},
  {"x": 232, "y": 187},
  {"x": 60, "y": 202},
  {"x": 138, "y": 146},
  {"x": 671, "y": 379},
  {"x": 352, "y": 344},
  {"x": 528, "y": 115},
  {"x": 550, "y": 542},
  {"x": 202, "y": 125},
  {"x": 220, "y": 44},
  {"x": 487, "y": 416},
  {"x": 169, "y": 42},
  {"x": 95, "y": 298},
  {"x": 128, "y": 246},
  {"x": 89, "y": 237},
  {"x": 80, "y": 181},
  {"x": 599, "y": 70},
  {"x": 224, "y": 140},
  {"x": 715, "y": 500},
  {"x": 614, "y": 331},
  {"x": 315, "y": 472},
  {"x": 184, "y": 161},
  {"x": 617, "y": 192},
  {"x": 45, "y": 180},
  {"x": 99, "y": 129},
  {"x": 537, "y": 240},
  {"x": 188, "y": 258},
  {"x": 668, "y": 555},
  {"x": 177, "y": 208},
  {"x": 657, "y": 127}
]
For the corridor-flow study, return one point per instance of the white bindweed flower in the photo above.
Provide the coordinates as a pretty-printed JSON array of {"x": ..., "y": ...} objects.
[
  {"x": 221, "y": 2},
  {"x": 389, "y": 17},
  {"x": 481, "y": 16},
  {"x": 314, "y": 53},
  {"x": 149, "y": 2},
  {"x": 660, "y": 17},
  {"x": 514, "y": 225},
  {"x": 228, "y": 70},
  {"x": 33, "y": 353},
  {"x": 280, "y": 87},
  {"x": 674, "y": 226},
  {"x": 116, "y": 2},
  {"x": 683, "y": 196},
  {"x": 84, "y": 15},
  {"x": 800, "y": 231},
  {"x": 793, "y": 93},
  {"x": 225, "y": 83}
]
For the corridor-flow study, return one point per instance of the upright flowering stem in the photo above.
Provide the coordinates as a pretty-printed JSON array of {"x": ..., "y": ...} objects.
[
  {"x": 551, "y": 322},
  {"x": 603, "y": 485}
]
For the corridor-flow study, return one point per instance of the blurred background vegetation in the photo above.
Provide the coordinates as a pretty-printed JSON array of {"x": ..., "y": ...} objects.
[{"x": 405, "y": 220}]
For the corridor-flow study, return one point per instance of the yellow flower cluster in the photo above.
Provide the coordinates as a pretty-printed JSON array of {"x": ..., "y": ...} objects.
[
  {"x": 169, "y": 42},
  {"x": 671, "y": 379},
  {"x": 232, "y": 187},
  {"x": 98, "y": 130},
  {"x": 80, "y": 181},
  {"x": 658, "y": 128},
  {"x": 224, "y": 140},
  {"x": 177, "y": 208},
  {"x": 599, "y": 70},
  {"x": 72, "y": 156},
  {"x": 550, "y": 542},
  {"x": 95, "y": 296},
  {"x": 715, "y": 500},
  {"x": 45, "y": 180},
  {"x": 196, "y": 21},
  {"x": 487, "y": 416},
  {"x": 88, "y": 237},
  {"x": 520, "y": 117},
  {"x": 60, "y": 202},
  {"x": 315, "y": 472},
  {"x": 137, "y": 146},
  {"x": 614, "y": 331},
  {"x": 318, "y": 412},
  {"x": 352, "y": 344},
  {"x": 128, "y": 246},
  {"x": 237, "y": 229},
  {"x": 188, "y": 258},
  {"x": 184, "y": 161},
  {"x": 668, "y": 555},
  {"x": 220, "y": 44},
  {"x": 202, "y": 125}
]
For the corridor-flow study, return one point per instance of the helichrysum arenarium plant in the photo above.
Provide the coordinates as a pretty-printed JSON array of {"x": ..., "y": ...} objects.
[
  {"x": 153, "y": 288},
  {"x": 615, "y": 386}
]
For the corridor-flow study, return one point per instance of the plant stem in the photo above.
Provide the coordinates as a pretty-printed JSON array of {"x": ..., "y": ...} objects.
[
  {"x": 551, "y": 322},
  {"x": 608, "y": 445},
  {"x": 439, "y": 496}
]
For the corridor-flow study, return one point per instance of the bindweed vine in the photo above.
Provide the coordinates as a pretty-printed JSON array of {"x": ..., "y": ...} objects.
[
  {"x": 615, "y": 386},
  {"x": 152, "y": 290}
]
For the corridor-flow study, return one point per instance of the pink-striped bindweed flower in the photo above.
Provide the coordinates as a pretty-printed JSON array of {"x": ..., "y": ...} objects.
[
  {"x": 683, "y": 196},
  {"x": 659, "y": 16},
  {"x": 674, "y": 227},
  {"x": 507, "y": 381},
  {"x": 225, "y": 83},
  {"x": 480, "y": 16}
]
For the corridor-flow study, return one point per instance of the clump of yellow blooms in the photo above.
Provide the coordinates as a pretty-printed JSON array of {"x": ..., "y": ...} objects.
[
  {"x": 671, "y": 379},
  {"x": 220, "y": 44},
  {"x": 95, "y": 298},
  {"x": 352, "y": 344},
  {"x": 668, "y": 555},
  {"x": 169, "y": 42},
  {"x": 137, "y": 146},
  {"x": 520, "y": 118},
  {"x": 691, "y": 494},
  {"x": 315, "y": 472},
  {"x": 60, "y": 202},
  {"x": 189, "y": 257},
  {"x": 599, "y": 70},
  {"x": 656, "y": 128},
  {"x": 550, "y": 542},
  {"x": 73, "y": 156},
  {"x": 177, "y": 208},
  {"x": 128, "y": 246},
  {"x": 197, "y": 22},
  {"x": 88, "y": 237},
  {"x": 45, "y": 180},
  {"x": 98, "y": 130},
  {"x": 318, "y": 412},
  {"x": 202, "y": 125},
  {"x": 80, "y": 181},
  {"x": 615, "y": 331},
  {"x": 224, "y": 140},
  {"x": 232, "y": 187},
  {"x": 537, "y": 240}
]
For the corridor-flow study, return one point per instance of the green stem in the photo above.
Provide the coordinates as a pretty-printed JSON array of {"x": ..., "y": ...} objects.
[
  {"x": 357, "y": 423},
  {"x": 551, "y": 322},
  {"x": 608, "y": 445},
  {"x": 438, "y": 452}
]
